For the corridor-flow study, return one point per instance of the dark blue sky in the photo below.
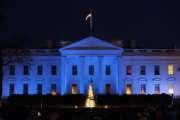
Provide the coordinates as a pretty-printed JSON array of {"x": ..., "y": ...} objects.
[{"x": 153, "y": 23}]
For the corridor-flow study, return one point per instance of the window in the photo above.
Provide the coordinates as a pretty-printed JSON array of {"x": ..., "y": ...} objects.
[
  {"x": 156, "y": 70},
  {"x": 170, "y": 69},
  {"x": 53, "y": 70},
  {"x": 108, "y": 70},
  {"x": 11, "y": 87},
  {"x": 53, "y": 87},
  {"x": 11, "y": 70},
  {"x": 39, "y": 89},
  {"x": 25, "y": 89},
  {"x": 178, "y": 69},
  {"x": 40, "y": 70},
  {"x": 157, "y": 88},
  {"x": 170, "y": 88},
  {"x": 142, "y": 70},
  {"x": 128, "y": 89},
  {"x": 74, "y": 89},
  {"x": 74, "y": 70},
  {"x": 91, "y": 70},
  {"x": 143, "y": 88},
  {"x": 129, "y": 70},
  {"x": 26, "y": 70},
  {"x": 108, "y": 89}
]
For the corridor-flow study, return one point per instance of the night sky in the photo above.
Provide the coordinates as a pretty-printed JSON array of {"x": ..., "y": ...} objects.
[{"x": 153, "y": 23}]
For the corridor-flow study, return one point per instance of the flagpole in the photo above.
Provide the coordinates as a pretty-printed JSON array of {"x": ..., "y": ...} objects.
[{"x": 91, "y": 24}]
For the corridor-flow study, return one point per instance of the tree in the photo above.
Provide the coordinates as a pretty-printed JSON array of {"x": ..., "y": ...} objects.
[{"x": 13, "y": 53}]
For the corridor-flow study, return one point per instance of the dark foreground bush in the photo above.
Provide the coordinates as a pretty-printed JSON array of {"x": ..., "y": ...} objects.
[
  {"x": 46, "y": 99},
  {"x": 71, "y": 100},
  {"x": 133, "y": 99}
]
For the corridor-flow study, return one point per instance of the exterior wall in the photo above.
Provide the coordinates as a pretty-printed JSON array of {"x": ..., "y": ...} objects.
[
  {"x": 150, "y": 79},
  {"x": 118, "y": 79},
  {"x": 33, "y": 79}
]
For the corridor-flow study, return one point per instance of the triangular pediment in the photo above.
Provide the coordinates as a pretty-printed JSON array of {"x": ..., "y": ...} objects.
[
  {"x": 91, "y": 43},
  {"x": 91, "y": 46}
]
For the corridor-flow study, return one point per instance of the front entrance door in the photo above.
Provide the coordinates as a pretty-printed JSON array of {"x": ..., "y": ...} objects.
[
  {"x": 108, "y": 89},
  {"x": 128, "y": 89},
  {"x": 74, "y": 89}
]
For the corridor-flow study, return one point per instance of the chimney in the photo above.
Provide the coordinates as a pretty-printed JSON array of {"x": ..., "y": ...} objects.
[
  {"x": 117, "y": 42},
  {"x": 133, "y": 43},
  {"x": 64, "y": 43},
  {"x": 50, "y": 44}
]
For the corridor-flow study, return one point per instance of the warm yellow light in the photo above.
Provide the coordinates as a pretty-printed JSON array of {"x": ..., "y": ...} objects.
[
  {"x": 90, "y": 92},
  {"x": 142, "y": 92},
  {"x": 105, "y": 106},
  {"x": 170, "y": 69},
  {"x": 90, "y": 101},
  {"x": 53, "y": 93},
  {"x": 76, "y": 107},
  {"x": 128, "y": 90},
  {"x": 171, "y": 91},
  {"x": 74, "y": 89},
  {"x": 39, "y": 114}
]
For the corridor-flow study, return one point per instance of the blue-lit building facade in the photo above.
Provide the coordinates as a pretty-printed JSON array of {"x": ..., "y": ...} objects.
[{"x": 110, "y": 68}]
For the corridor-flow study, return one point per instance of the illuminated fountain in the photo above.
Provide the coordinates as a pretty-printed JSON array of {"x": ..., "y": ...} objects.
[{"x": 90, "y": 101}]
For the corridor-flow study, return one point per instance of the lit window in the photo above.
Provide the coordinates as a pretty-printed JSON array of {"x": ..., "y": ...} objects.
[
  {"x": 53, "y": 89},
  {"x": 53, "y": 70},
  {"x": 143, "y": 88},
  {"x": 128, "y": 89},
  {"x": 156, "y": 70},
  {"x": 91, "y": 70},
  {"x": 142, "y": 70},
  {"x": 11, "y": 87},
  {"x": 26, "y": 70},
  {"x": 74, "y": 89},
  {"x": 54, "y": 93},
  {"x": 129, "y": 70},
  {"x": 39, "y": 69},
  {"x": 108, "y": 70},
  {"x": 11, "y": 70},
  {"x": 74, "y": 70},
  {"x": 157, "y": 88},
  {"x": 25, "y": 89},
  {"x": 170, "y": 88},
  {"x": 170, "y": 69}
]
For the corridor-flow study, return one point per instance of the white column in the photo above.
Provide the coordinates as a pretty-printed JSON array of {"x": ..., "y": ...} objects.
[
  {"x": 63, "y": 80},
  {"x": 120, "y": 82},
  {"x": 81, "y": 74},
  {"x": 116, "y": 75},
  {"x": 100, "y": 84}
]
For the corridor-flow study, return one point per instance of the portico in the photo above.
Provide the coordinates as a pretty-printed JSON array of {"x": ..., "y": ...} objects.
[{"x": 95, "y": 61}]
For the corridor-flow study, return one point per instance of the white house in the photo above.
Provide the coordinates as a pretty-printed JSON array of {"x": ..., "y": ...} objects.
[{"x": 111, "y": 70}]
